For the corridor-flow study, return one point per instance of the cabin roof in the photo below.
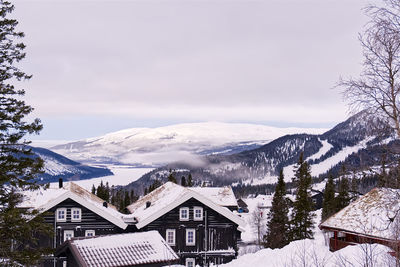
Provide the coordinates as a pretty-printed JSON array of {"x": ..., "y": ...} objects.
[
  {"x": 45, "y": 199},
  {"x": 120, "y": 250},
  {"x": 223, "y": 196},
  {"x": 373, "y": 214},
  {"x": 167, "y": 197}
]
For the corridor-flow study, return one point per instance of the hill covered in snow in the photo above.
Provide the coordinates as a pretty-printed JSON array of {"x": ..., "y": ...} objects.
[
  {"x": 162, "y": 145},
  {"x": 358, "y": 142},
  {"x": 57, "y": 166}
]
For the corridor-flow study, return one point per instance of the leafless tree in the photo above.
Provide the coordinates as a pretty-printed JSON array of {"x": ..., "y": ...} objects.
[
  {"x": 258, "y": 222},
  {"x": 378, "y": 87}
]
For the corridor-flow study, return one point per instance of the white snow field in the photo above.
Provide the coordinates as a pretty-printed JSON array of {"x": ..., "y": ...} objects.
[
  {"x": 306, "y": 253},
  {"x": 155, "y": 146},
  {"x": 123, "y": 175}
]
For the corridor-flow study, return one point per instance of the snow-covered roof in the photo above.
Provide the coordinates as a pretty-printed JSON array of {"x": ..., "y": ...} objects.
[
  {"x": 121, "y": 250},
  {"x": 223, "y": 196},
  {"x": 45, "y": 199},
  {"x": 373, "y": 214},
  {"x": 167, "y": 197}
]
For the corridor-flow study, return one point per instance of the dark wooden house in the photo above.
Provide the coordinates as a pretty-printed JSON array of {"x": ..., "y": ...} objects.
[
  {"x": 243, "y": 208},
  {"x": 144, "y": 249},
  {"x": 372, "y": 218},
  {"x": 317, "y": 198},
  {"x": 73, "y": 212},
  {"x": 199, "y": 230}
]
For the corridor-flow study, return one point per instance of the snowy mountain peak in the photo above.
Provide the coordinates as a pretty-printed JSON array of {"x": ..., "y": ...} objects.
[{"x": 157, "y": 146}]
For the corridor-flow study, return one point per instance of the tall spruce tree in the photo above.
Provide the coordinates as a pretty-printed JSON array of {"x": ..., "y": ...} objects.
[
  {"x": 190, "y": 180},
  {"x": 343, "y": 198},
  {"x": 171, "y": 177},
  {"x": 278, "y": 228},
  {"x": 183, "y": 181},
  {"x": 328, "y": 204},
  {"x": 18, "y": 165},
  {"x": 302, "y": 224}
]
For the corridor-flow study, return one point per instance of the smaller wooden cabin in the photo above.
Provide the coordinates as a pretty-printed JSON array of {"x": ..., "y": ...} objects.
[
  {"x": 199, "y": 230},
  {"x": 372, "y": 218},
  {"x": 144, "y": 249},
  {"x": 243, "y": 208},
  {"x": 73, "y": 212}
]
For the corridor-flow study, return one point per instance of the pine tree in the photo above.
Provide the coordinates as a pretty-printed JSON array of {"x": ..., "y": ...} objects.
[
  {"x": 19, "y": 166},
  {"x": 171, "y": 177},
  {"x": 278, "y": 228},
  {"x": 328, "y": 204},
  {"x": 183, "y": 181},
  {"x": 302, "y": 219},
  {"x": 343, "y": 197},
  {"x": 93, "y": 190},
  {"x": 383, "y": 177},
  {"x": 190, "y": 180}
]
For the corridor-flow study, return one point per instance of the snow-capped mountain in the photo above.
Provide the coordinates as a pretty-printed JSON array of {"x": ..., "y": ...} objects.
[
  {"x": 57, "y": 166},
  {"x": 159, "y": 146},
  {"x": 362, "y": 134}
]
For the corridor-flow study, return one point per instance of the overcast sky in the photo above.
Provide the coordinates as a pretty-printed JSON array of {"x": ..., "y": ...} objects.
[{"x": 102, "y": 66}]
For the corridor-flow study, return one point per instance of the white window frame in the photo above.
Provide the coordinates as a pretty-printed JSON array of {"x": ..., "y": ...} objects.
[
  {"x": 70, "y": 232},
  {"x": 190, "y": 260},
  {"x": 72, "y": 215},
  {"x": 194, "y": 214},
  {"x": 93, "y": 232},
  {"x": 173, "y": 236},
  {"x": 193, "y": 243},
  {"x": 180, "y": 214},
  {"x": 65, "y": 215}
]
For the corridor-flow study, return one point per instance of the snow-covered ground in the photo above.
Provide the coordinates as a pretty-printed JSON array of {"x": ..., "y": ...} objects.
[
  {"x": 123, "y": 175},
  {"x": 309, "y": 252},
  {"x": 315, "y": 252}
]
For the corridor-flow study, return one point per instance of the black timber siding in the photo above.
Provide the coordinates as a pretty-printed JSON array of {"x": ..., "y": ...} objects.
[
  {"x": 221, "y": 233},
  {"x": 89, "y": 221}
]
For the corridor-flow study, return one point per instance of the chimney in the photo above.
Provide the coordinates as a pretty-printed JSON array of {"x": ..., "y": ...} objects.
[
  {"x": 60, "y": 183},
  {"x": 148, "y": 204},
  {"x": 105, "y": 204}
]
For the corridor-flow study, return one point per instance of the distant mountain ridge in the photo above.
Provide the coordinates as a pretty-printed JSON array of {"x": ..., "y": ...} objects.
[
  {"x": 159, "y": 146},
  {"x": 362, "y": 135},
  {"x": 57, "y": 166}
]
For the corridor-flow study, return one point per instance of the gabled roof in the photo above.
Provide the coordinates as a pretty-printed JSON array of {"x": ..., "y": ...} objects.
[
  {"x": 222, "y": 196},
  {"x": 373, "y": 214},
  {"x": 45, "y": 199},
  {"x": 120, "y": 250},
  {"x": 167, "y": 197}
]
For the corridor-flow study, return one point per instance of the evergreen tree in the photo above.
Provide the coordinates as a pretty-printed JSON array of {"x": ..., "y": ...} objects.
[
  {"x": 343, "y": 197},
  {"x": 107, "y": 192},
  {"x": 383, "y": 177},
  {"x": 278, "y": 228},
  {"x": 100, "y": 191},
  {"x": 328, "y": 204},
  {"x": 171, "y": 177},
  {"x": 93, "y": 190},
  {"x": 18, "y": 164},
  {"x": 183, "y": 181},
  {"x": 302, "y": 219},
  {"x": 190, "y": 180}
]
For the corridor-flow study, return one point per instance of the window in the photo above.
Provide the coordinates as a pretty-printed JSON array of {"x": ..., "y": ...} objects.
[
  {"x": 76, "y": 215},
  {"x": 68, "y": 234},
  {"x": 190, "y": 262},
  {"x": 198, "y": 213},
  {"x": 90, "y": 233},
  {"x": 61, "y": 215},
  {"x": 184, "y": 214},
  {"x": 170, "y": 237},
  {"x": 190, "y": 237}
]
